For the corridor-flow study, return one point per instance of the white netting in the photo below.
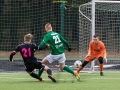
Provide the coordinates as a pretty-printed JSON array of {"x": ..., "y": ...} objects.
[{"x": 107, "y": 25}]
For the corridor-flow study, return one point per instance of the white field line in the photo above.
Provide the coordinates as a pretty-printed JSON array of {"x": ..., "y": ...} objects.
[
  {"x": 21, "y": 79},
  {"x": 10, "y": 76},
  {"x": 82, "y": 72}
]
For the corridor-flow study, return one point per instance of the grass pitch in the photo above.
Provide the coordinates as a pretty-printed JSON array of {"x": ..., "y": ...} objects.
[{"x": 65, "y": 81}]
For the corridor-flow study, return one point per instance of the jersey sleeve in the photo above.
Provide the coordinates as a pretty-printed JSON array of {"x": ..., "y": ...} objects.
[
  {"x": 103, "y": 49},
  {"x": 13, "y": 53},
  {"x": 90, "y": 48},
  {"x": 64, "y": 41},
  {"x": 16, "y": 48},
  {"x": 40, "y": 47},
  {"x": 44, "y": 41}
]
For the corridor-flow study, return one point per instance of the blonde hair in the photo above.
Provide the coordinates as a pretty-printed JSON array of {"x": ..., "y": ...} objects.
[
  {"x": 28, "y": 37},
  {"x": 48, "y": 26}
]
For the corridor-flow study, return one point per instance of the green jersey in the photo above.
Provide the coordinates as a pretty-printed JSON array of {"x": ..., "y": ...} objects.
[{"x": 56, "y": 42}]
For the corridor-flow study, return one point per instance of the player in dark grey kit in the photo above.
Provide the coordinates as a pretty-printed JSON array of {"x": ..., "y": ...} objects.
[{"x": 27, "y": 50}]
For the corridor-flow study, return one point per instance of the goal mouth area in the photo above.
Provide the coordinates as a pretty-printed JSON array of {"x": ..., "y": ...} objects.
[{"x": 101, "y": 17}]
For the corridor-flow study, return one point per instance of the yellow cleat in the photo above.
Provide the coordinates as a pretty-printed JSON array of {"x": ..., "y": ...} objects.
[{"x": 76, "y": 74}]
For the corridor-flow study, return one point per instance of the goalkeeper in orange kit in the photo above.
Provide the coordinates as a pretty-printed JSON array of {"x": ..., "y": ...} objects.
[{"x": 97, "y": 51}]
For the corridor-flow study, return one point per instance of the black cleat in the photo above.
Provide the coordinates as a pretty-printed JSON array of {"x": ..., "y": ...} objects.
[
  {"x": 101, "y": 74},
  {"x": 53, "y": 79}
]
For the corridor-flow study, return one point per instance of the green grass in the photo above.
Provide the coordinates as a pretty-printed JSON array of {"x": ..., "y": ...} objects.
[{"x": 65, "y": 81}]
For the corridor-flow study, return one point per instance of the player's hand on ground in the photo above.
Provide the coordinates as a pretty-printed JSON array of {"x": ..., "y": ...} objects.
[
  {"x": 69, "y": 49},
  {"x": 87, "y": 55},
  {"x": 105, "y": 60}
]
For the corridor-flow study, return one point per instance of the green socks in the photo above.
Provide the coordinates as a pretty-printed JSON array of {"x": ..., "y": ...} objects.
[
  {"x": 40, "y": 72},
  {"x": 68, "y": 69}
]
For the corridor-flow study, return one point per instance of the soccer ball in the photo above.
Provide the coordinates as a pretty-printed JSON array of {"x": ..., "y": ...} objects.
[{"x": 77, "y": 63}]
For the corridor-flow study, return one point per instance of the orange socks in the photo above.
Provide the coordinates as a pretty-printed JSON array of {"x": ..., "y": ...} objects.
[
  {"x": 101, "y": 67},
  {"x": 79, "y": 69}
]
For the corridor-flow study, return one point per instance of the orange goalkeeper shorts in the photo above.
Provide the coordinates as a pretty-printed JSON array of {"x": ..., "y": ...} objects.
[{"x": 92, "y": 57}]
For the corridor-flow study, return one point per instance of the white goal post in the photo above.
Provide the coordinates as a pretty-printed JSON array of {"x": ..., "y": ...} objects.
[{"x": 101, "y": 17}]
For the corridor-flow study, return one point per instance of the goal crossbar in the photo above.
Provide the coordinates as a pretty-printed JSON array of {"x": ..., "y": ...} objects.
[{"x": 103, "y": 1}]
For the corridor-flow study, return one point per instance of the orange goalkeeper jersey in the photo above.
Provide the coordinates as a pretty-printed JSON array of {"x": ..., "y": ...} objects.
[{"x": 97, "y": 49}]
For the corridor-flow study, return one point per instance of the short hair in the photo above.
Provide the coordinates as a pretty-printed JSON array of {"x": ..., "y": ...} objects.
[
  {"x": 96, "y": 35},
  {"x": 28, "y": 37},
  {"x": 48, "y": 26}
]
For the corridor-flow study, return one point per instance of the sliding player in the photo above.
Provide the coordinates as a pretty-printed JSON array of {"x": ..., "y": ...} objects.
[
  {"x": 27, "y": 50},
  {"x": 97, "y": 51},
  {"x": 56, "y": 42}
]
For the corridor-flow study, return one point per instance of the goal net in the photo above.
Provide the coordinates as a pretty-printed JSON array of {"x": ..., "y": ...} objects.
[
  {"x": 101, "y": 17},
  {"x": 19, "y": 17}
]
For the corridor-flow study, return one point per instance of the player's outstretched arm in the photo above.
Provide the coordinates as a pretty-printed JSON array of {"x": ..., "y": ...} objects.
[
  {"x": 11, "y": 56},
  {"x": 42, "y": 47}
]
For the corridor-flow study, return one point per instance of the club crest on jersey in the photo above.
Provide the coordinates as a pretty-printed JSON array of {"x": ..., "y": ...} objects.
[{"x": 98, "y": 47}]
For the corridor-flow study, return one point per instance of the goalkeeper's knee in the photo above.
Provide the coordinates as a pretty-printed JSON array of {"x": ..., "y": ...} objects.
[{"x": 100, "y": 59}]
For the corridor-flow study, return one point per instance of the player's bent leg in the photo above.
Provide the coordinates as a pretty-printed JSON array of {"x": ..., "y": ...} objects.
[
  {"x": 42, "y": 68},
  {"x": 87, "y": 60},
  {"x": 45, "y": 61},
  {"x": 49, "y": 72},
  {"x": 50, "y": 75},
  {"x": 68, "y": 69},
  {"x": 100, "y": 59},
  {"x": 82, "y": 66},
  {"x": 61, "y": 66},
  {"x": 35, "y": 76}
]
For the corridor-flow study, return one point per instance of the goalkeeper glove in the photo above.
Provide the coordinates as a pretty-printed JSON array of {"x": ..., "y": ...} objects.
[
  {"x": 69, "y": 49},
  {"x": 105, "y": 60}
]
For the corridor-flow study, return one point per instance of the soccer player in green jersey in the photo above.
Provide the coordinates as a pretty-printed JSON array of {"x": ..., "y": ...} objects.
[{"x": 56, "y": 43}]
